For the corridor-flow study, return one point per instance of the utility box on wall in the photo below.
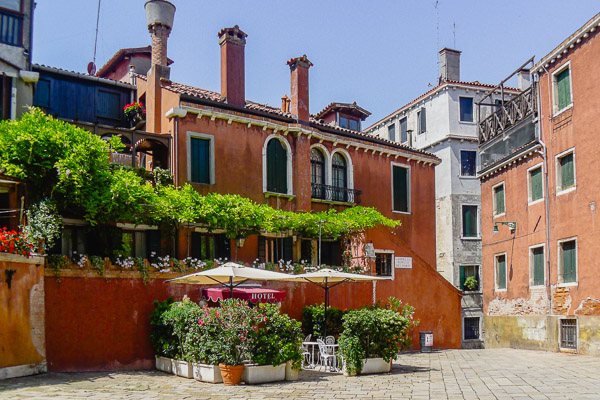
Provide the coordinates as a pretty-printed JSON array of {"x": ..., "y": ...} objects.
[{"x": 22, "y": 315}]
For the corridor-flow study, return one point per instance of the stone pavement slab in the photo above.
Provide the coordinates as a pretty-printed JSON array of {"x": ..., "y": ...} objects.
[{"x": 449, "y": 374}]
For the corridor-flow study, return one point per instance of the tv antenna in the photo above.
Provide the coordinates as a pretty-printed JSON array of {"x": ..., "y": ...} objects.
[
  {"x": 454, "y": 33},
  {"x": 91, "y": 68},
  {"x": 437, "y": 28}
]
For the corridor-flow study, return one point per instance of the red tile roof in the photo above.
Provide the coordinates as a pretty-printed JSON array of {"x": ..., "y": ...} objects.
[
  {"x": 121, "y": 54},
  {"x": 353, "y": 107}
]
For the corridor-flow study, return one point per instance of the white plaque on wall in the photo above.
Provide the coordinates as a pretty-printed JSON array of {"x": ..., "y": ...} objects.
[{"x": 403, "y": 262}]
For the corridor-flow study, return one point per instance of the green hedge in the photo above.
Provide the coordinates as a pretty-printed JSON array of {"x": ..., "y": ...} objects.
[{"x": 313, "y": 317}]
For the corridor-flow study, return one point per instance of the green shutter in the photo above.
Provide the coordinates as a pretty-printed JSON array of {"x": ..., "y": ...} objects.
[
  {"x": 538, "y": 266},
  {"x": 501, "y": 260},
  {"x": 535, "y": 181},
  {"x": 276, "y": 167},
  {"x": 567, "y": 175},
  {"x": 462, "y": 277},
  {"x": 564, "y": 89},
  {"x": 499, "y": 194},
  {"x": 469, "y": 221},
  {"x": 400, "y": 180},
  {"x": 569, "y": 261},
  {"x": 200, "y": 160}
]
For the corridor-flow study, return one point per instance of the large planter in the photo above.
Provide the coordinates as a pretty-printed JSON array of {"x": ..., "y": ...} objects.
[
  {"x": 164, "y": 364},
  {"x": 232, "y": 374},
  {"x": 183, "y": 369},
  {"x": 291, "y": 374},
  {"x": 207, "y": 373},
  {"x": 254, "y": 374},
  {"x": 372, "y": 366}
]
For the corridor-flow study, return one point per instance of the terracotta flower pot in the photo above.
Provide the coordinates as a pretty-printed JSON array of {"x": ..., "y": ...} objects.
[{"x": 232, "y": 374}]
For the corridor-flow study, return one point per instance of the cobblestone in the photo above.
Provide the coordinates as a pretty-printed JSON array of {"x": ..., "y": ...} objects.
[{"x": 450, "y": 374}]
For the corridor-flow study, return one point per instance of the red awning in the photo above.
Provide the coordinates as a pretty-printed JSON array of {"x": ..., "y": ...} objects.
[{"x": 254, "y": 295}]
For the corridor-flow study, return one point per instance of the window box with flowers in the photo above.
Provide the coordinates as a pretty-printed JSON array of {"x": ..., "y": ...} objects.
[{"x": 135, "y": 113}]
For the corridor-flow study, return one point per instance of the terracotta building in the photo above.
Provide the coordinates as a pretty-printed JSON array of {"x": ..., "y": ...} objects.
[{"x": 539, "y": 194}]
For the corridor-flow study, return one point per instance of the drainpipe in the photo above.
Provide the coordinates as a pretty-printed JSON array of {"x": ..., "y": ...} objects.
[{"x": 547, "y": 189}]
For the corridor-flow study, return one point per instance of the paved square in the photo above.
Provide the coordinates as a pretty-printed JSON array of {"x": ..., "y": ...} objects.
[{"x": 449, "y": 374}]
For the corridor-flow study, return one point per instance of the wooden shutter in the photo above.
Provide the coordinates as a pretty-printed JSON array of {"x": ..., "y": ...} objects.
[
  {"x": 276, "y": 167},
  {"x": 200, "y": 160},
  {"x": 567, "y": 176},
  {"x": 538, "y": 266},
  {"x": 469, "y": 221},
  {"x": 564, "y": 89},
  {"x": 422, "y": 121},
  {"x": 392, "y": 132},
  {"x": 535, "y": 180},
  {"x": 403, "y": 130},
  {"x": 499, "y": 192},
  {"x": 462, "y": 277},
  {"x": 569, "y": 261},
  {"x": 400, "y": 183},
  {"x": 501, "y": 272}
]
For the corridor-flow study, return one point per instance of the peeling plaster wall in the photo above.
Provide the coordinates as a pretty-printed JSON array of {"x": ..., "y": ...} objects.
[{"x": 536, "y": 304}]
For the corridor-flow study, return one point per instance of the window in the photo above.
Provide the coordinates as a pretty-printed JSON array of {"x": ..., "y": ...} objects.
[
  {"x": 6, "y": 97},
  {"x": 535, "y": 187},
  {"x": 274, "y": 249},
  {"x": 568, "y": 333},
  {"x": 565, "y": 171},
  {"x": 422, "y": 120},
  {"x": 392, "y": 132},
  {"x": 11, "y": 23},
  {"x": 467, "y": 271},
  {"x": 200, "y": 160},
  {"x": 498, "y": 199},
  {"x": 471, "y": 327},
  {"x": 349, "y": 123},
  {"x": 567, "y": 261},
  {"x": 466, "y": 109},
  {"x": 202, "y": 246},
  {"x": 469, "y": 222},
  {"x": 562, "y": 89},
  {"x": 403, "y": 130},
  {"x": 331, "y": 252},
  {"x": 467, "y": 162},
  {"x": 536, "y": 266},
  {"x": 109, "y": 105},
  {"x": 14, "y": 5},
  {"x": 276, "y": 167},
  {"x": 317, "y": 173},
  {"x": 400, "y": 188},
  {"x": 339, "y": 177},
  {"x": 41, "y": 97},
  {"x": 500, "y": 265},
  {"x": 383, "y": 264}
]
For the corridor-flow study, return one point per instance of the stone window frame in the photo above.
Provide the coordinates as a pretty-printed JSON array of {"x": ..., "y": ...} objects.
[
  {"x": 392, "y": 267},
  {"x": 409, "y": 186},
  {"x": 478, "y": 236},
  {"x": 474, "y": 176},
  {"x": 555, "y": 110},
  {"x": 529, "y": 201},
  {"x": 463, "y": 328},
  {"x": 494, "y": 199},
  {"x": 496, "y": 288},
  {"x": 559, "y": 261},
  {"x": 558, "y": 184},
  {"x": 531, "y": 280},
  {"x": 290, "y": 173},
  {"x": 211, "y": 161}
]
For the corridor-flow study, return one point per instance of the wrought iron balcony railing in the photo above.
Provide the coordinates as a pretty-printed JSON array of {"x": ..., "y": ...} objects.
[
  {"x": 11, "y": 28},
  {"x": 509, "y": 115},
  {"x": 334, "y": 193}
]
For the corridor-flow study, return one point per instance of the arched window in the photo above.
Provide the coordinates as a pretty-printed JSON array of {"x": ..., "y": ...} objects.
[
  {"x": 339, "y": 177},
  {"x": 317, "y": 174},
  {"x": 276, "y": 167}
]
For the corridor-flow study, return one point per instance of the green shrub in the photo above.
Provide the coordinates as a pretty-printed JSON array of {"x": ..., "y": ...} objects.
[
  {"x": 180, "y": 317},
  {"x": 313, "y": 318},
  {"x": 162, "y": 338}
]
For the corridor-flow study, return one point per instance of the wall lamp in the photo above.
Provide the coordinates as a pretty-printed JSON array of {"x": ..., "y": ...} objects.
[
  {"x": 239, "y": 241},
  {"x": 511, "y": 225}
]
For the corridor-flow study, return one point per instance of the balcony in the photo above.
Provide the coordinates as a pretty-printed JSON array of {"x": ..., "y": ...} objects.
[
  {"x": 334, "y": 193},
  {"x": 509, "y": 115},
  {"x": 11, "y": 28}
]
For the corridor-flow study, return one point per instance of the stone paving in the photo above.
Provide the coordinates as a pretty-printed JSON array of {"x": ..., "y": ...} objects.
[{"x": 450, "y": 374}]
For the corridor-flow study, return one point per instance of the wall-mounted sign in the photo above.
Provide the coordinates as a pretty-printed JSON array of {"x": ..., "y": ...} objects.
[{"x": 403, "y": 262}]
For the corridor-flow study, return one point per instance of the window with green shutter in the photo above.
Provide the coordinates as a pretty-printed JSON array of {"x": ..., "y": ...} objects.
[
  {"x": 566, "y": 171},
  {"x": 469, "y": 221},
  {"x": 501, "y": 271},
  {"x": 535, "y": 184},
  {"x": 403, "y": 130},
  {"x": 499, "y": 200},
  {"x": 563, "y": 89},
  {"x": 276, "y": 167},
  {"x": 422, "y": 120},
  {"x": 400, "y": 188},
  {"x": 200, "y": 160},
  {"x": 467, "y": 271},
  {"x": 569, "y": 261},
  {"x": 537, "y": 260}
]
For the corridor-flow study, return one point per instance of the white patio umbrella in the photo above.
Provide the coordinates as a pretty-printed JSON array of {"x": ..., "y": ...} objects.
[
  {"x": 327, "y": 278},
  {"x": 230, "y": 275}
]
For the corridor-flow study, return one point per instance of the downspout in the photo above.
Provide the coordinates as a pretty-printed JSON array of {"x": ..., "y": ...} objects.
[
  {"x": 546, "y": 188},
  {"x": 30, "y": 49}
]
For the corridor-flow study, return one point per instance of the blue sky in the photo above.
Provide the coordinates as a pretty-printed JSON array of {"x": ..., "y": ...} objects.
[{"x": 381, "y": 54}]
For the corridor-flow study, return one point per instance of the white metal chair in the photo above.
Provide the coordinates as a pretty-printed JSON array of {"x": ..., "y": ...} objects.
[
  {"x": 307, "y": 355},
  {"x": 329, "y": 340},
  {"x": 327, "y": 356}
]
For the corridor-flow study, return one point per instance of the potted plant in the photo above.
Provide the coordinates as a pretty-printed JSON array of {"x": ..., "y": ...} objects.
[
  {"x": 471, "y": 283},
  {"x": 201, "y": 345},
  {"x": 161, "y": 337},
  {"x": 373, "y": 336},
  {"x": 134, "y": 113},
  {"x": 180, "y": 317}
]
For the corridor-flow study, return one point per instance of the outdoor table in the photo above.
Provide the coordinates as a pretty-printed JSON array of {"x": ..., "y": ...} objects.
[{"x": 312, "y": 356}]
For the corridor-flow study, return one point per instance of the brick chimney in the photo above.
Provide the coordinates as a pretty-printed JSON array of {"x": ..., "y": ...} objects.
[
  {"x": 159, "y": 16},
  {"x": 233, "y": 81},
  {"x": 450, "y": 65},
  {"x": 299, "y": 107}
]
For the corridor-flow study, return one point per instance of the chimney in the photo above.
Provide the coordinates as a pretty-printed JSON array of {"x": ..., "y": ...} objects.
[
  {"x": 450, "y": 65},
  {"x": 524, "y": 79},
  {"x": 299, "y": 107},
  {"x": 159, "y": 16},
  {"x": 285, "y": 103},
  {"x": 233, "y": 81}
]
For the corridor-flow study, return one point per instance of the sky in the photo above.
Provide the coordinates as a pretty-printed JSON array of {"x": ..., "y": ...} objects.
[{"x": 380, "y": 53}]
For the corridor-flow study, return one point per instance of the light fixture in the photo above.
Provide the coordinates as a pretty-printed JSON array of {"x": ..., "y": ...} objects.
[
  {"x": 511, "y": 225},
  {"x": 239, "y": 241}
]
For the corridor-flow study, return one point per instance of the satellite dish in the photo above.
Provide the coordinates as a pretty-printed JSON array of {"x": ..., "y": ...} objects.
[{"x": 91, "y": 68}]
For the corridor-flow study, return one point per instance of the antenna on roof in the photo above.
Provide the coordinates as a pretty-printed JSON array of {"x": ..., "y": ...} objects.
[
  {"x": 437, "y": 27},
  {"x": 91, "y": 68},
  {"x": 454, "y": 32}
]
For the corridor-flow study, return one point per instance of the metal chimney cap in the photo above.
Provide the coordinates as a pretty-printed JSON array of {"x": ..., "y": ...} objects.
[{"x": 159, "y": 12}]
